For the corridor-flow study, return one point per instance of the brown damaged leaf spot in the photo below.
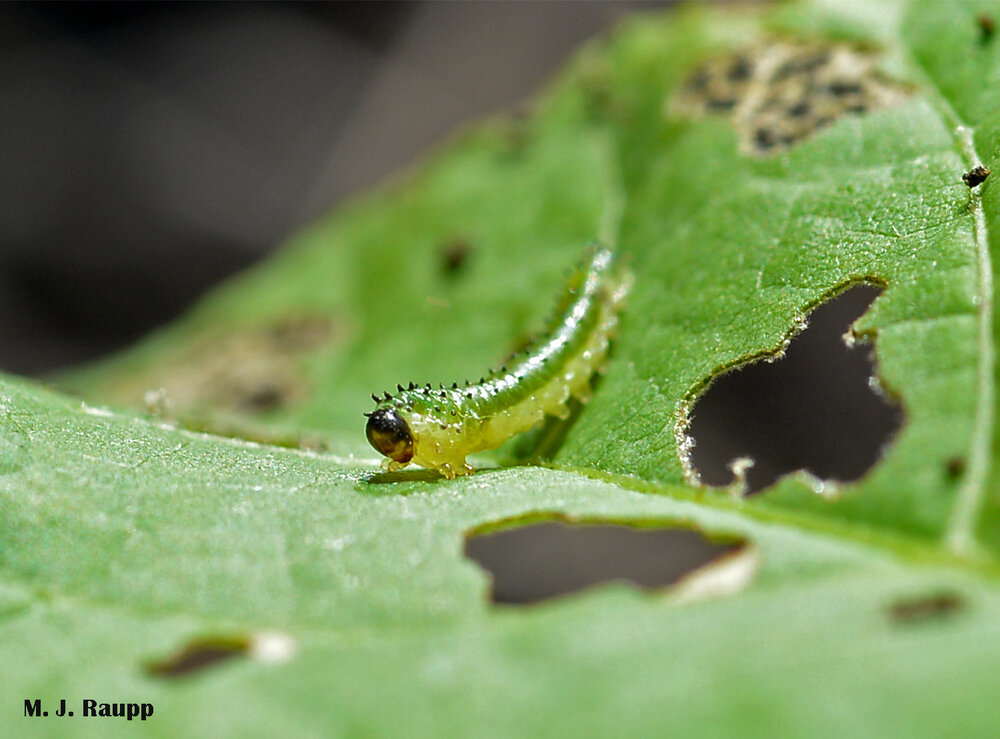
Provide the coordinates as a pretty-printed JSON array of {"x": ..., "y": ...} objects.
[
  {"x": 249, "y": 372},
  {"x": 779, "y": 93},
  {"x": 265, "y": 647},
  {"x": 199, "y": 654},
  {"x": 544, "y": 556},
  {"x": 955, "y": 468},
  {"x": 933, "y": 607},
  {"x": 455, "y": 255},
  {"x": 987, "y": 27},
  {"x": 816, "y": 407}
]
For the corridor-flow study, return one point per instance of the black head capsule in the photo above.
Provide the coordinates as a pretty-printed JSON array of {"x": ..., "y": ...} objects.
[{"x": 390, "y": 435}]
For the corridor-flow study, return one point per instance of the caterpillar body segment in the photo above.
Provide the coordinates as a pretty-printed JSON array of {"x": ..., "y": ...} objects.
[{"x": 438, "y": 427}]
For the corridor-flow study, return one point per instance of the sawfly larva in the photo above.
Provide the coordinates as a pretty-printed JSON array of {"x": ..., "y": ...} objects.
[{"x": 438, "y": 428}]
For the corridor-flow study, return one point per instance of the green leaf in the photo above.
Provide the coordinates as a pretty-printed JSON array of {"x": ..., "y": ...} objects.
[{"x": 126, "y": 536}]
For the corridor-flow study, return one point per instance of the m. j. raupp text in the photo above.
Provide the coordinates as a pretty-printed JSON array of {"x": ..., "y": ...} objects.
[{"x": 90, "y": 708}]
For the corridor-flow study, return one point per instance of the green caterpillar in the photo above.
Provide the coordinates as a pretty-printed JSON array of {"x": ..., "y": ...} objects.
[{"x": 438, "y": 428}]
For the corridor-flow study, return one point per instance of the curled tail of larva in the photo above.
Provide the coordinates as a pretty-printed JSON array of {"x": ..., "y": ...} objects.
[
  {"x": 575, "y": 343},
  {"x": 603, "y": 274},
  {"x": 615, "y": 283},
  {"x": 613, "y": 278},
  {"x": 618, "y": 282}
]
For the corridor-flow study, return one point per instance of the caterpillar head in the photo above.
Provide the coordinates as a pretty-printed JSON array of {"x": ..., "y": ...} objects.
[{"x": 390, "y": 434}]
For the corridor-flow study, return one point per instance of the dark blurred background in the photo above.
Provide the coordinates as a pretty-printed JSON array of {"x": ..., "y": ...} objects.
[{"x": 150, "y": 150}]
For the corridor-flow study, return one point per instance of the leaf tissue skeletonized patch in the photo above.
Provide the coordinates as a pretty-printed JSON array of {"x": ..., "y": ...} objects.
[
  {"x": 779, "y": 93},
  {"x": 818, "y": 408}
]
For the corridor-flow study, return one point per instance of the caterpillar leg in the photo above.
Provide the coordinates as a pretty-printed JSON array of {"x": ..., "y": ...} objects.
[
  {"x": 451, "y": 472},
  {"x": 391, "y": 465}
]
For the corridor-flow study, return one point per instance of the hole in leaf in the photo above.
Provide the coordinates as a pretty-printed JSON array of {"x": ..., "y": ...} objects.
[
  {"x": 536, "y": 562},
  {"x": 817, "y": 408},
  {"x": 265, "y": 646},
  {"x": 926, "y": 608}
]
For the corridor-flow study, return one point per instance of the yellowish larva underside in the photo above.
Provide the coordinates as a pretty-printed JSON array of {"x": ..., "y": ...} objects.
[{"x": 438, "y": 427}]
